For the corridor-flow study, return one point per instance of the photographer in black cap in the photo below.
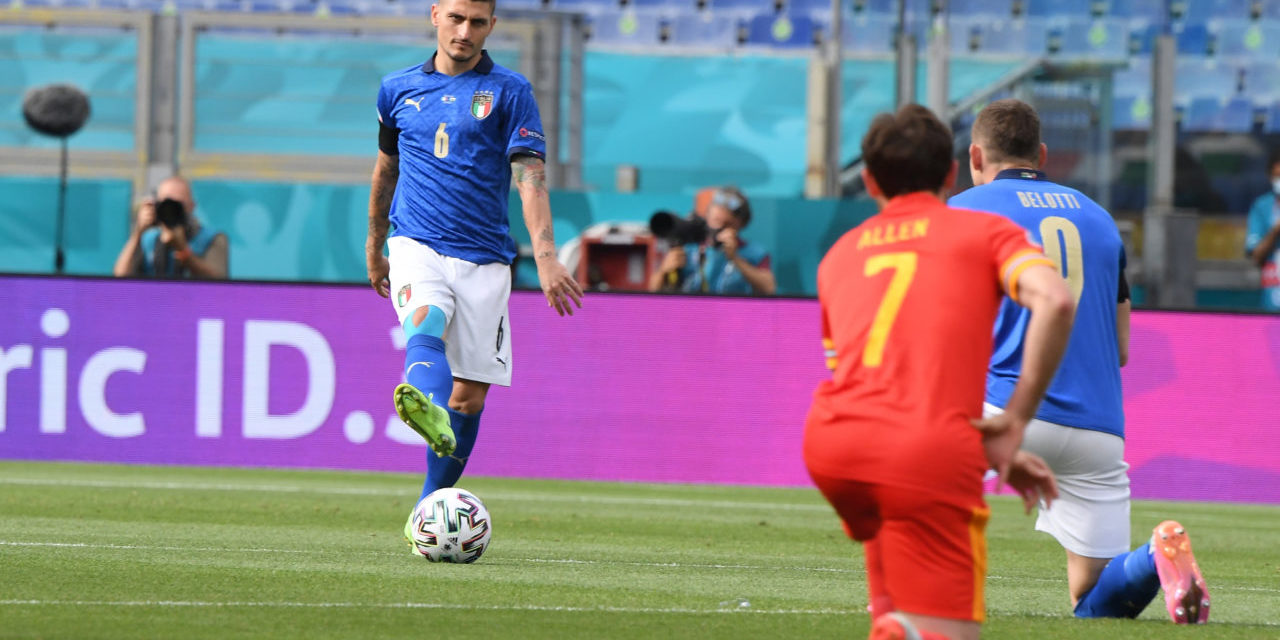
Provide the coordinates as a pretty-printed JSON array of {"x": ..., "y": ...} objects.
[
  {"x": 707, "y": 255},
  {"x": 168, "y": 241}
]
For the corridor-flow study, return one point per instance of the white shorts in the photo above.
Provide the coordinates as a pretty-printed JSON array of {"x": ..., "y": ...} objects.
[
  {"x": 473, "y": 297},
  {"x": 1091, "y": 515}
]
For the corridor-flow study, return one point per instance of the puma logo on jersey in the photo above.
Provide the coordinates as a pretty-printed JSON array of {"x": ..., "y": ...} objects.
[{"x": 417, "y": 104}]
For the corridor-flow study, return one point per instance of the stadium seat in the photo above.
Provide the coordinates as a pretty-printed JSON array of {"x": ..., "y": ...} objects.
[
  {"x": 667, "y": 7},
  {"x": 998, "y": 9},
  {"x": 1137, "y": 9},
  {"x": 1130, "y": 112},
  {"x": 520, "y": 4},
  {"x": 966, "y": 36},
  {"x": 874, "y": 6},
  {"x": 1204, "y": 77},
  {"x": 812, "y": 6},
  {"x": 1271, "y": 118},
  {"x": 1262, "y": 81},
  {"x": 704, "y": 29},
  {"x": 1089, "y": 38},
  {"x": 612, "y": 27},
  {"x": 1201, "y": 114},
  {"x": 781, "y": 30},
  {"x": 1248, "y": 38},
  {"x": 1058, "y": 8},
  {"x": 1134, "y": 79},
  {"x": 868, "y": 32},
  {"x": 1203, "y": 11},
  {"x": 1143, "y": 39},
  {"x": 1210, "y": 114},
  {"x": 741, "y": 7},
  {"x": 588, "y": 7},
  {"x": 1237, "y": 115},
  {"x": 1192, "y": 39},
  {"x": 997, "y": 37}
]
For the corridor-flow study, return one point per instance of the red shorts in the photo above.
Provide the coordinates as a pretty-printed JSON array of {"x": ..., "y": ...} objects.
[{"x": 925, "y": 553}]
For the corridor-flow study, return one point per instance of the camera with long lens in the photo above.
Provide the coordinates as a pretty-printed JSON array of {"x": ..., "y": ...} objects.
[
  {"x": 171, "y": 213},
  {"x": 679, "y": 231}
]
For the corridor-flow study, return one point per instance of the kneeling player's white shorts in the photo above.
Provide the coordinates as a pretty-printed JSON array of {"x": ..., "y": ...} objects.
[
  {"x": 1091, "y": 515},
  {"x": 473, "y": 297}
]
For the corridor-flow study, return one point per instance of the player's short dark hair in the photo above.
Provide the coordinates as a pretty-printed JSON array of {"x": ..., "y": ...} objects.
[
  {"x": 1008, "y": 130},
  {"x": 908, "y": 151},
  {"x": 493, "y": 5}
]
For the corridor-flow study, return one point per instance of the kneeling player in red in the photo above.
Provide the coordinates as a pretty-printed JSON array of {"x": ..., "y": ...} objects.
[{"x": 896, "y": 440}]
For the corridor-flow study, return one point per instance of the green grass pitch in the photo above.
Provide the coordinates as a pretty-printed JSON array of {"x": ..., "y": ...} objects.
[{"x": 99, "y": 551}]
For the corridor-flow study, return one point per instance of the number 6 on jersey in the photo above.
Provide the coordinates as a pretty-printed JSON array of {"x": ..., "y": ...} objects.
[
  {"x": 904, "y": 271},
  {"x": 442, "y": 142}
]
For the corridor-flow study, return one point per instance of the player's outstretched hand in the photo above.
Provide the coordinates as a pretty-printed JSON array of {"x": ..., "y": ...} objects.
[
  {"x": 379, "y": 272},
  {"x": 562, "y": 290},
  {"x": 1032, "y": 478},
  {"x": 1001, "y": 437}
]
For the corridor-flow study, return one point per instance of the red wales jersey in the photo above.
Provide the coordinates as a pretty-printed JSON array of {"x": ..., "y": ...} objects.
[{"x": 908, "y": 302}]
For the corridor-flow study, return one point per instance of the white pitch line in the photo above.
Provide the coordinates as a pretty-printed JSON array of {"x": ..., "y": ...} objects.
[
  {"x": 312, "y": 552},
  {"x": 136, "y": 547},
  {"x": 685, "y": 565},
  {"x": 671, "y": 565},
  {"x": 362, "y": 491},
  {"x": 736, "y": 610}
]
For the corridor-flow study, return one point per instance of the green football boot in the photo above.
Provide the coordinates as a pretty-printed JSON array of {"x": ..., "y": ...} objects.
[
  {"x": 430, "y": 421},
  {"x": 408, "y": 533}
]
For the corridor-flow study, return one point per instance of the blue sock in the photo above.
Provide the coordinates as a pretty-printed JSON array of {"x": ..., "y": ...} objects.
[
  {"x": 1127, "y": 585},
  {"x": 425, "y": 365},
  {"x": 444, "y": 472}
]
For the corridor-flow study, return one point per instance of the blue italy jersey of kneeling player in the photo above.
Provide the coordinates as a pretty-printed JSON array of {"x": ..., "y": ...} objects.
[
  {"x": 456, "y": 137},
  {"x": 1081, "y": 237}
]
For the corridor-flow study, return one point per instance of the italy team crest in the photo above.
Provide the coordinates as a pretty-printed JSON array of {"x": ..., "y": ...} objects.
[
  {"x": 481, "y": 104},
  {"x": 402, "y": 298}
]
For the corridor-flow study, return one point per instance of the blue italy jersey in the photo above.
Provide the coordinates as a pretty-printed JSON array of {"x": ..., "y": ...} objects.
[
  {"x": 1082, "y": 239},
  {"x": 456, "y": 137}
]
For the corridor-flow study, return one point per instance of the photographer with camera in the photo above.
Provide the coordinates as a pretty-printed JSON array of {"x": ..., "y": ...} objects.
[
  {"x": 168, "y": 241},
  {"x": 707, "y": 255}
]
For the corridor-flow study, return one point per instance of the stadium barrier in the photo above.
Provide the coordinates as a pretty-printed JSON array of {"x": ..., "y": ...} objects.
[{"x": 633, "y": 388}]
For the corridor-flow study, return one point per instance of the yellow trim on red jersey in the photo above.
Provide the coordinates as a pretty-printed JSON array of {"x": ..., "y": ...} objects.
[
  {"x": 1017, "y": 263},
  {"x": 829, "y": 351},
  {"x": 978, "y": 549}
]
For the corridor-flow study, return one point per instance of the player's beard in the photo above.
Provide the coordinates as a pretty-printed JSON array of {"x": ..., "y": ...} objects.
[{"x": 468, "y": 56}]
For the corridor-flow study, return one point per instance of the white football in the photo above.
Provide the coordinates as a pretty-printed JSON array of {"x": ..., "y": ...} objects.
[{"x": 450, "y": 525}]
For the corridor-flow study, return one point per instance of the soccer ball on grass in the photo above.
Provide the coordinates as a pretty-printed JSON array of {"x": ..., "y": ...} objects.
[{"x": 449, "y": 525}]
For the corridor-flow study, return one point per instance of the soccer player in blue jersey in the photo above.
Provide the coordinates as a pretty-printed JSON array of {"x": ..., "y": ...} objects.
[
  {"x": 1079, "y": 428},
  {"x": 453, "y": 132}
]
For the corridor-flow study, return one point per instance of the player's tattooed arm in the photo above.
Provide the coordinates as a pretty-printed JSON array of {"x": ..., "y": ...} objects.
[
  {"x": 547, "y": 240},
  {"x": 385, "y": 174},
  {"x": 530, "y": 173},
  {"x": 562, "y": 290}
]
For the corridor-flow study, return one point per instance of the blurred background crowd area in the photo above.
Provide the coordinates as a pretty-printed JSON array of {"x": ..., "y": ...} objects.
[{"x": 267, "y": 107}]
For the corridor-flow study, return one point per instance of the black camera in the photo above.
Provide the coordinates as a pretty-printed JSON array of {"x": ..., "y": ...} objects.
[
  {"x": 171, "y": 213},
  {"x": 679, "y": 231}
]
